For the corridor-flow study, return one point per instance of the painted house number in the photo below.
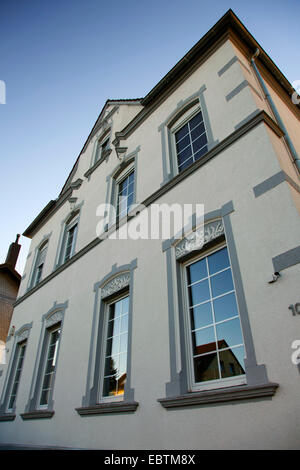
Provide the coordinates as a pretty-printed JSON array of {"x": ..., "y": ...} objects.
[{"x": 295, "y": 308}]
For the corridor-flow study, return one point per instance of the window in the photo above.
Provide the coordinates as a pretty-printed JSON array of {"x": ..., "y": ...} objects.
[
  {"x": 108, "y": 387},
  {"x": 101, "y": 149},
  {"x": 53, "y": 337},
  {"x": 125, "y": 195},
  {"x": 215, "y": 335},
  {"x": 39, "y": 264},
  {"x": 69, "y": 238},
  {"x": 18, "y": 361},
  {"x": 190, "y": 141},
  {"x": 115, "y": 360}
]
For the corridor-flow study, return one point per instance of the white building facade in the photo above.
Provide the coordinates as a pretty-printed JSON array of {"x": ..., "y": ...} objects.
[{"x": 160, "y": 343}]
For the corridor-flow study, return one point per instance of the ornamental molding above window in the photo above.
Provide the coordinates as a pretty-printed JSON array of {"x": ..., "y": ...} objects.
[
  {"x": 54, "y": 318},
  {"x": 116, "y": 284},
  {"x": 23, "y": 335},
  {"x": 199, "y": 238}
]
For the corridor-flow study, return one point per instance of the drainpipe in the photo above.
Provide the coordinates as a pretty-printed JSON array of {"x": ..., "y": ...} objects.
[{"x": 276, "y": 114}]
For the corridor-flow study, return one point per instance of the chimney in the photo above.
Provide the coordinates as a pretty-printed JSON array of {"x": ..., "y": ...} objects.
[{"x": 13, "y": 253}]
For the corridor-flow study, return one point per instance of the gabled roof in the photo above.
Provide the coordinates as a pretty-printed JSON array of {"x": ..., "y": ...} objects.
[
  {"x": 99, "y": 118},
  {"x": 228, "y": 24}
]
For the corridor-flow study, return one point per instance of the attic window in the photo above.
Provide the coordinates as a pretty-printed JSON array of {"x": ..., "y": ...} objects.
[{"x": 102, "y": 147}]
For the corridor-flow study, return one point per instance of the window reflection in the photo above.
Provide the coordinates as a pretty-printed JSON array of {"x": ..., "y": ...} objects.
[
  {"x": 217, "y": 341},
  {"x": 116, "y": 349}
]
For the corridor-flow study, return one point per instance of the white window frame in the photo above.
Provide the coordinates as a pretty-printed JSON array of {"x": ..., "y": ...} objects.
[
  {"x": 211, "y": 384},
  {"x": 180, "y": 122},
  {"x": 104, "y": 399},
  {"x": 49, "y": 331},
  {"x": 125, "y": 174}
]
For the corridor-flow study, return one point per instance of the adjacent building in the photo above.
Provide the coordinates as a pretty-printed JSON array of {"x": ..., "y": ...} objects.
[
  {"x": 9, "y": 285},
  {"x": 169, "y": 343}
]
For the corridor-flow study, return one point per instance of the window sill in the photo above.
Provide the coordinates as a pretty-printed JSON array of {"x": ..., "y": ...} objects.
[
  {"x": 111, "y": 407},
  {"x": 7, "y": 417},
  {"x": 243, "y": 392},
  {"x": 37, "y": 414}
]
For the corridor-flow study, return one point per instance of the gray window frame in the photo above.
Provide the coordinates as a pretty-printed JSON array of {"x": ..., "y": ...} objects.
[
  {"x": 51, "y": 319},
  {"x": 32, "y": 277},
  {"x": 21, "y": 336},
  {"x": 70, "y": 220},
  {"x": 118, "y": 282},
  {"x": 217, "y": 224},
  {"x": 166, "y": 130}
]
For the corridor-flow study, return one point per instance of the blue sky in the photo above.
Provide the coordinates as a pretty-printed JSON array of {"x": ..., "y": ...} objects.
[{"x": 61, "y": 60}]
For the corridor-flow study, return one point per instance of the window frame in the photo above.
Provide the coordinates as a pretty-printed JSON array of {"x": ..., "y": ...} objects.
[
  {"x": 20, "y": 344},
  {"x": 52, "y": 319},
  {"x": 119, "y": 180},
  {"x": 21, "y": 337},
  {"x": 72, "y": 221},
  {"x": 179, "y": 124},
  {"x": 48, "y": 332},
  {"x": 117, "y": 283},
  {"x": 110, "y": 301},
  {"x": 100, "y": 152},
  {"x": 210, "y": 384},
  {"x": 216, "y": 227},
  {"x": 44, "y": 246}
]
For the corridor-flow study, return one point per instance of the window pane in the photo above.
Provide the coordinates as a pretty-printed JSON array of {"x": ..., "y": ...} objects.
[
  {"x": 111, "y": 365},
  {"x": 206, "y": 368},
  {"x": 197, "y": 131},
  {"x": 216, "y": 334},
  {"x": 45, "y": 397},
  {"x": 199, "y": 143},
  {"x": 117, "y": 346},
  {"x": 218, "y": 261},
  {"x": 186, "y": 164},
  {"x": 123, "y": 343},
  {"x": 197, "y": 271},
  {"x": 233, "y": 362},
  {"x": 112, "y": 346},
  {"x": 124, "y": 305},
  {"x": 204, "y": 341},
  {"x": 183, "y": 143},
  {"x": 199, "y": 292},
  {"x": 200, "y": 153},
  {"x": 181, "y": 133},
  {"x": 122, "y": 365},
  {"x": 201, "y": 316},
  {"x": 225, "y": 307},
  {"x": 109, "y": 386},
  {"x": 184, "y": 155},
  {"x": 229, "y": 333},
  {"x": 196, "y": 120},
  {"x": 124, "y": 324},
  {"x": 221, "y": 283}
]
